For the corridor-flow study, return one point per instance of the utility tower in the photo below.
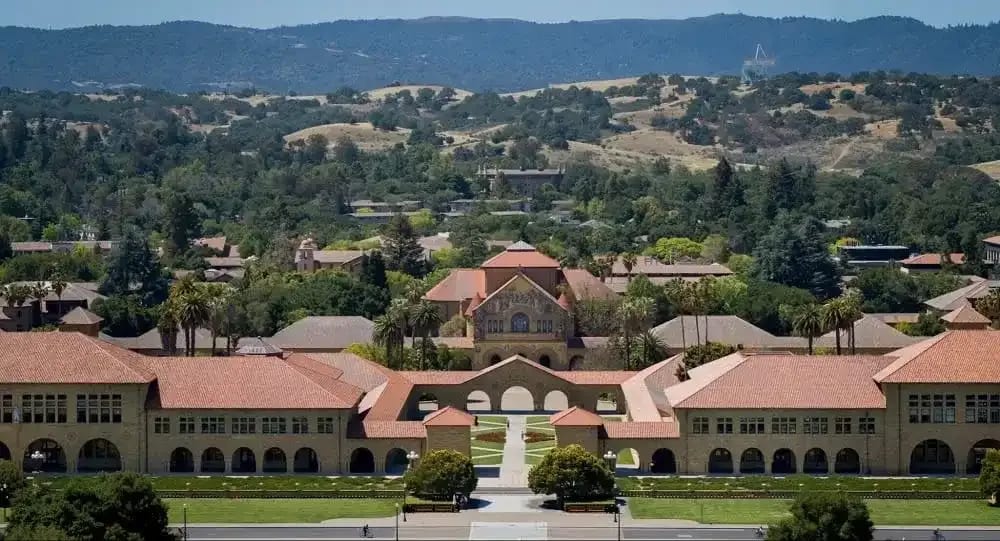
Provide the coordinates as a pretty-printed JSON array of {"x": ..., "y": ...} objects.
[{"x": 755, "y": 69}]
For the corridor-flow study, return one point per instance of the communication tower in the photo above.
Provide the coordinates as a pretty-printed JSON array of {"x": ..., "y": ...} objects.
[{"x": 755, "y": 69}]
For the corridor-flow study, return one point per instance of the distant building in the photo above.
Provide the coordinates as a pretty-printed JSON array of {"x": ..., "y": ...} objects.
[
  {"x": 660, "y": 273},
  {"x": 37, "y": 247},
  {"x": 865, "y": 256},
  {"x": 523, "y": 182},
  {"x": 364, "y": 205},
  {"x": 928, "y": 262},
  {"x": 991, "y": 250},
  {"x": 309, "y": 259}
]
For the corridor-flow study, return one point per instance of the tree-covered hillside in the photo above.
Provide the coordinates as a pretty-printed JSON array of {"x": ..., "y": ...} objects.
[{"x": 476, "y": 54}]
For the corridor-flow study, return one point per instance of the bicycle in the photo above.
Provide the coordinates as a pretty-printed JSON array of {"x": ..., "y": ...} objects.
[
  {"x": 760, "y": 532},
  {"x": 366, "y": 532}
]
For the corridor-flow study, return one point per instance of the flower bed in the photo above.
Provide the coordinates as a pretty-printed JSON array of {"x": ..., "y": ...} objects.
[
  {"x": 492, "y": 437},
  {"x": 535, "y": 437}
]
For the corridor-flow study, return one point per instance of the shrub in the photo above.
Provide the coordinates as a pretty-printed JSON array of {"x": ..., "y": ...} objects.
[
  {"x": 824, "y": 517},
  {"x": 11, "y": 476},
  {"x": 989, "y": 475},
  {"x": 572, "y": 474},
  {"x": 440, "y": 474}
]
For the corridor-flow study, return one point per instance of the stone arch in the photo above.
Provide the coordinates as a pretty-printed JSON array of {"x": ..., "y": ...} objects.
[
  {"x": 576, "y": 362},
  {"x": 783, "y": 461},
  {"x": 362, "y": 461},
  {"x": 213, "y": 461},
  {"x": 977, "y": 453},
  {"x": 815, "y": 461},
  {"x": 555, "y": 400},
  {"x": 752, "y": 461},
  {"x": 513, "y": 399},
  {"x": 4, "y": 451},
  {"x": 181, "y": 461},
  {"x": 478, "y": 401},
  {"x": 847, "y": 461},
  {"x": 545, "y": 361},
  {"x": 720, "y": 460},
  {"x": 520, "y": 323},
  {"x": 932, "y": 456},
  {"x": 275, "y": 461},
  {"x": 396, "y": 461},
  {"x": 98, "y": 455},
  {"x": 495, "y": 359},
  {"x": 663, "y": 461},
  {"x": 50, "y": 458},
  {"x": 305, "y": 461},
  {"x": 244, "y": 461}
]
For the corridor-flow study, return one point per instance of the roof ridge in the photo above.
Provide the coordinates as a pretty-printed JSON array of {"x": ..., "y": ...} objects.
[
  {"x": 138, "y": 369},
  {"x": 520, "y": 274},
  {"x": 710, "y": 379}
]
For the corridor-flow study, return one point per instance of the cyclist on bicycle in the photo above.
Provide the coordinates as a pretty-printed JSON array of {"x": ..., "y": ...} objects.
[{"x": 365, "y": 531}]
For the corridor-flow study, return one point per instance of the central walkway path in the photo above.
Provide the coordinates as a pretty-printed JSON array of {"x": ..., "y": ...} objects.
[{"x": 513, "y": 470}]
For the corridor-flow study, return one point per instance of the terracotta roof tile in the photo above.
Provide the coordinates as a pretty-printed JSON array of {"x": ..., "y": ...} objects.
[
  {"x": 586, "y": 286},
  {"x": 80, "y": 316},
  {"x": 650, "y": 266},
  {"x": 993, "y": 240},
  {"x": 337, "y": 257},
  {"x": 956, "y": 298},
  {"x": 932, "y": 259},
  {"x": 461, "y": 284},
  {"x": 447, "y": 377},
  {"x": 641, "y": 429},
  {"x": 355, "y": 370},
  {"x": 576, "y": 416},
  {"x": 515, "y": 256},
  {"x": 596, "y": 377},
  {"x": 67, "y": 357},
  {"x": 793, "y": 382},
  {"x": 965, "y": 314},
  {"x": 969, "y": 356},
  {"x": 372, "y": 429},
  {"x": 449, "y": 416}
]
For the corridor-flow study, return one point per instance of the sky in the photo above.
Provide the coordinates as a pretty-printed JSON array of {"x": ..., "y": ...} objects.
[{"x": 270, "y": 13}]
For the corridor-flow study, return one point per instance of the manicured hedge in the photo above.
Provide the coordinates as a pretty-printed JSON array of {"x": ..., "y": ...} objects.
[
  {"x": 797, "y": 483},
  {"x": 289, "y": 494},
  {"x": 791, "y": 494}
]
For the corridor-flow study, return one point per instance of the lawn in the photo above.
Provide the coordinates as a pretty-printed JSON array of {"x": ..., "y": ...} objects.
[
  {"x": 255, "y": 482},
  {"x": 537, "y": 443},
  {"x": 220, "y": 510},
  {"x": 883, "y": 512},
  {"x": 488, "y": 439},
  {"x": 802, "y": 482},
  {"x": 625, "y": 458},
  {"x": 542, "y": 420}
]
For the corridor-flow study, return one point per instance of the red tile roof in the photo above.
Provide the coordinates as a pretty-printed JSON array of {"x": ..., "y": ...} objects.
[
  {"x": 992, "y": 240},
  {"x": 514, "y": 258},
  {"x": 641, "y": 429},
  {"x": 586, "y": 286},
  {"x": 387, "y": 430},
  {"x": 576, "y": 416},
  {"x": 965, "y": 314},
  {"x": 967, "y": 356},
  {"x": 444, "y": 377},
  {"x": 461, "y": 284},
  {"x": 596, "y": 377},
  {"x": 67, "y": 357},
  {"x": 793, "y": 382},
  {"x": 933, "y": 259},
  {"x": 449, "y": 416},
  {"x": 260, "y": 383}
]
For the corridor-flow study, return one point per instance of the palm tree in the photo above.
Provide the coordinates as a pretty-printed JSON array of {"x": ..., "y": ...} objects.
[
  {"x": 425, "y": 317},
  {"x": 16, "y": 294},
  {"x": 167, "y": 325},
  {"x": 217, "y": 296},
  {"x": 835, "y": 313},
  {"x": 807, "y": 321},
  {"x": 193, "y": 310},
  {"x": 390, "y": 330},
  {"x": 852, "y": 311},
  {"x": 676, "y": 293},
  {"x": 628, "y": 261},
  {"x": 653, "y": 349},
  {"x": 989, "y": 305},
  {"x": 58, "y": 285},
  {"x": 633, "y": 318}
]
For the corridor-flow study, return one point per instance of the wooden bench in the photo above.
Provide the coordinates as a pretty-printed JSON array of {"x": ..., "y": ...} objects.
[{"x": 595, "y": 507}]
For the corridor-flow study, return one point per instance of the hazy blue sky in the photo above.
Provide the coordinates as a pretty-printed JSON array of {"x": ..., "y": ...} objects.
[{"x": 268, "y": 13}]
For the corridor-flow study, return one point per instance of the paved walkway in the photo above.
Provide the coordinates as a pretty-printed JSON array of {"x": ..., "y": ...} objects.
[{"x": 513, "y": 470}]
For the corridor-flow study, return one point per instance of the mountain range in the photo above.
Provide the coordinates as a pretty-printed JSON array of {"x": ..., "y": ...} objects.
[{"x": 475, "y": 54}]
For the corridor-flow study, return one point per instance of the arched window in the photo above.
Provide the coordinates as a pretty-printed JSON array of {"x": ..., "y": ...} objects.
[{"x": 519, "y": 323}]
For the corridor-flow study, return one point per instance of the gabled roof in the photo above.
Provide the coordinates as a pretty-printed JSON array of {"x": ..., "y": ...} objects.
[
  {"x": 723, "y": 329},
  {"x": 80, "y": 316},
  {"x": 515, "y": 278},
  {"x": 449, "y": 416},
  {"x": 650, "y": 266},
  {"x": 152, "y": 341},
  {"x": 992, "y": 240},
  {"x": 869, "y": 333},
  {"x": 792, "y": 382},
  {"x": 215, "y": 243},
  {"x": 932, "y": 259},
  {"x": 67, "y": 357},
  {"x": 73, "y": 292},
  {"x": 257, "y": 346},
  {"x": 959, "y": 356},
  {"x": 955, "y": 299},
  {"x": 324, "y": 333},
  {"x": 965, "y": 314},
  {"x": 459, "y": 285},
  {"x": 520, "y": 254},
  {"x": 586, "y": 286},
  {"x": 337, "y": 257},
  {"x": 576, "y": 416}
]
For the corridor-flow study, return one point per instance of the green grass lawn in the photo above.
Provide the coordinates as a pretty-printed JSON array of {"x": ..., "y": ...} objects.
[
  {"x": 254, "y": 482},
  {"x": 202, "y": 510},
  {"x": 537, "y": 420},
  {"x": 625, "y": 458},
  {"x": 883, "y": 512},
  {"x": 495, "y": 420},
  {"x": 802, "y": 482}
]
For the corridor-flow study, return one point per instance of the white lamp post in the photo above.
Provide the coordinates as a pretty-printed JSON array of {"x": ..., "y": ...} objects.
[{"x": 411, "y": 457}]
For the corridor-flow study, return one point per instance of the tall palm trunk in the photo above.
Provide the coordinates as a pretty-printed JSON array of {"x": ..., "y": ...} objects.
[
  {"x": 697, "y": 329},
  {"x": 810, "y": 339},
  {"x": 838, "y": 340}
]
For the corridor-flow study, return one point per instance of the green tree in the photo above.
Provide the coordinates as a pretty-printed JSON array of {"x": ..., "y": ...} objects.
[
  {"x": 390, "y": 332},
  {"x": 441, "y": 474},
  {"x": 727, "y": 192},
  {"x": 425, "y": 318},
  {"x": 454, "y": 326},
  {"x": 672, "y": 248},
  {"x": 11, "y": 482},
  {"x": 181, "y": 223},
  {"x": 6, "y": 250},
  {"x": 836, "y": 315},
  {"x": 373, "y": 270},
  {"x": 124, "y": 315},
  {"x": 793, "y": 253},
  {"x": 35, "y": 533},
  {"x": 573, "y": 475},
  {"x": 400, "y": 247},
  {"x": 824, "y": 516},
  {"x": 633, "y": 319},
  {"x": 134, "y": 269},
  {"x": 989, "y": 476},
  {"x": 807, "y": 322}
]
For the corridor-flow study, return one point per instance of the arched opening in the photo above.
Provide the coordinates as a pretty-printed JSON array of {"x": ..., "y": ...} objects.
[
  {"x": 517, "y": 398},
  {"x": 545, "y": 361},
  {"x": 274, "y": 461},
  {"x": 932, "y": 456},
  {"x": 847, "y": 461},
  {"x": 628, "y": 460},
  {"x": 427, "y": 402},
  {"x": 720, "y": 461},
  {"x": 362, "y": 461},
  {"x": 98, "y": 455},
  {"x": 4, "y": 451},
  {"x": 478, "y": 401},
  {"x": 520, "y": 323},
  {"x": 752, "y": 461},
  {"x": 783, "y": 461},
  {"x": 213, "y": 461},
  {"x": 181, "y": 461},
  {"x": 607, "y": 403},
  {"x": 396, "y": 461},
  {"x": 494, "y": 360},
  {"x": 555, "y": 401},
  {"x": 663, "y": 462},
  {"x": 815, "y": 462},
  {"x": 576, "y": 363},
  {"x": 244, "y": 461},
  {"x": 44, "y": 455},
  {"x": 977, "y": 453},
  {"x": 306, "y": 461}
]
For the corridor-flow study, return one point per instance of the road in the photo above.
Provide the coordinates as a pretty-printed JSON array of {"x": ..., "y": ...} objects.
[{"x": 447, "y": 533}]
